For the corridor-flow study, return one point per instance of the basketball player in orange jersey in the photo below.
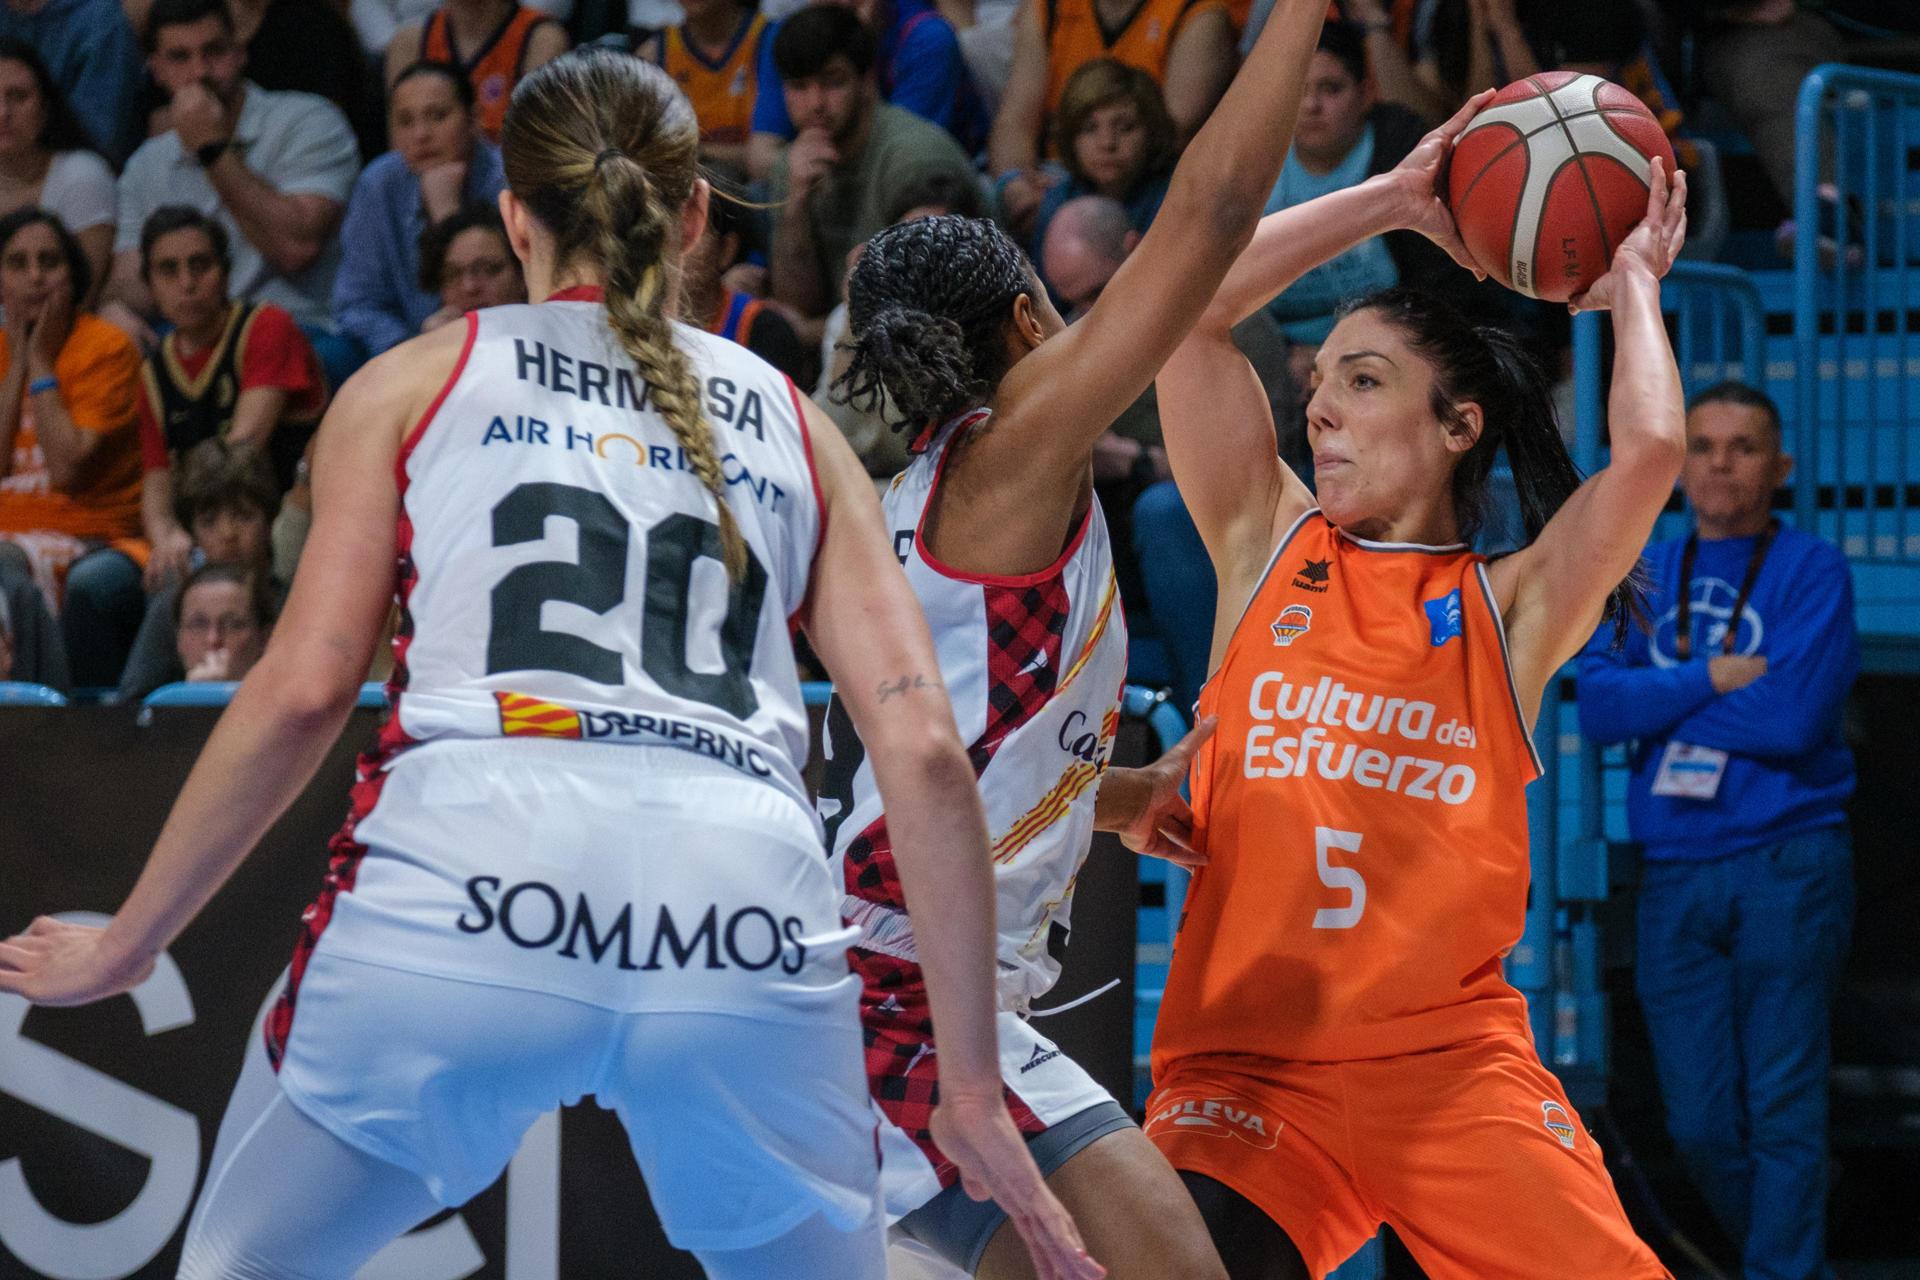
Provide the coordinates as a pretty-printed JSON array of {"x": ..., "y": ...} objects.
[
  {"x": 1337, "y": 1047},
  {"x": 1007, "y": 550}
]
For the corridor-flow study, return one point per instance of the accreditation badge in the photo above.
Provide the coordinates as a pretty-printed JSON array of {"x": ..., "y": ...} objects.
[{"x": 1690, "y": 772}]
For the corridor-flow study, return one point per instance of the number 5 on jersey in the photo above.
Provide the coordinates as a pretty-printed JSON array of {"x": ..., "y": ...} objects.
[{"x": 1338, "y": 877}]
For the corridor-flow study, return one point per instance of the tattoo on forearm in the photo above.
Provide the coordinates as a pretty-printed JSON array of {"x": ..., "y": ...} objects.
[{"x": 905, "y": 684}]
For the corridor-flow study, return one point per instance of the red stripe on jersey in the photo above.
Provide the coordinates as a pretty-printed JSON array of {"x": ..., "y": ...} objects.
[
  {"x": 813, "y": 469},
  {"x": 903, "y": 1071},
  {"x": 420, "y": 428},
  {"x": 1036, "y": 578},
  {"x": 342, "y": 869}
]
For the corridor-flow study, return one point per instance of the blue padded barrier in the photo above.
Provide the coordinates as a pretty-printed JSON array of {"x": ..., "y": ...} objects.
[
  {"x": 218, "y": 693},
  {"x": 21, "y": 693}
]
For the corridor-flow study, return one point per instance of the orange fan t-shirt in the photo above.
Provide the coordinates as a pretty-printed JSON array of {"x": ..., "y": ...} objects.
[
  {"x": 1076, "y": 36},
  {"x": 99, "y": 373},
  {"x": 494, "y": 68},
  {"x": 721, "y": 89},
  {"x": 1363, "y": 807}
]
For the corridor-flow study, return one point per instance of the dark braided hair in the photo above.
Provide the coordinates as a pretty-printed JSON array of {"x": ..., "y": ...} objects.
[
  {"x": 927, "y": 307},
  {"x": 1487, "y": 367}
]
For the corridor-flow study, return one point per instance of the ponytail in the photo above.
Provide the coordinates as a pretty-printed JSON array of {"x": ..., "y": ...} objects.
[
  {"x": 1487, "y": 367},
  {"x": 604, "y": 149},
  {"x": 926, "y": 309}
]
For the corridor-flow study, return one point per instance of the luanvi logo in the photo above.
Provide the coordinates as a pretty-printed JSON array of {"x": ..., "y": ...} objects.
[{"x": 1312, "y": 576}]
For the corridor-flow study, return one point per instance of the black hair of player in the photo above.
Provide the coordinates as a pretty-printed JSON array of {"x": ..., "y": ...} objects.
[
  {"x": 927, "y": 309},
  {"x": 1482, "y": 365},
  {"x": 818, "y": 34},
  {"x": 1739, "y": 393}
]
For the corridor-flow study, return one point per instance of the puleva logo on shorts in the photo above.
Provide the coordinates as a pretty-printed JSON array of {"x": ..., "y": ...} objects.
[
  {"x": 1217, "y": 1117},
  {"x": 1558, "y": 1122},
  {"x": 1293, "y": 622},
  {"x": 524, "y": 717},
  {"x": 1443, "y": 615}
]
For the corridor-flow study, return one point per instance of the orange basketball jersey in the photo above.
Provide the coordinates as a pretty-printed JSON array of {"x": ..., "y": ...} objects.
[
  {"x": 493, "y": 69},
  {"x": 1363, "y": 807},
  {"x": 721, "y": 89},
  {"x": 1076, "y": 35}
]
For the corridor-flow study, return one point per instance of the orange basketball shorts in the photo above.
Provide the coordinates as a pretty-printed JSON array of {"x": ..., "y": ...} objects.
[{"x": 1472, "y": 1153}]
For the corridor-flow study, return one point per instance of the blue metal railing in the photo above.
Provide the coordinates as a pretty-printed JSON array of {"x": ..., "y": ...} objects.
[{"x": 1856, "y": 340}]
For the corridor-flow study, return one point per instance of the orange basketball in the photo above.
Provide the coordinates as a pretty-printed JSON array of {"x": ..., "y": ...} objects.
[{"x": 1550, "y": 177}]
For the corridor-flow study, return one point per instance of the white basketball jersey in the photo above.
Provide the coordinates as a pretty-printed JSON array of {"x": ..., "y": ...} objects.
[
  {"x": 1034, "y": 665},
  {"x": 560, "y": 565}
]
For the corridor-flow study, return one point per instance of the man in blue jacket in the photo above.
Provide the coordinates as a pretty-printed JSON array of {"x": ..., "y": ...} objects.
[{"x": 1740, "y": 780}]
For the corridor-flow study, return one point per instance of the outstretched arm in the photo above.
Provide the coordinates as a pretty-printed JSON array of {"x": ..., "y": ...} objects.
[
  {"x": 288, "y": 711},
  {"x": 1551, "y": 592},
  {"x": 865, "y": 624},
  {"x": 1055, "y": 403},
  {"x": 1213, "y": 411}
]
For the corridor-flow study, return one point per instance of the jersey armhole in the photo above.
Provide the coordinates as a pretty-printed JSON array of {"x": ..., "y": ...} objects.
[
  {"x": 1506, "y": 665},
  {"x": 813, "y": 469},
  {"x": 408, "y": 445},
  {"x": 1034, "y": 579}
]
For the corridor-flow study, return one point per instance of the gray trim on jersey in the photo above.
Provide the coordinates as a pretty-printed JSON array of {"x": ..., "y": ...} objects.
[
  {"x": 1506, "y": 664},
  {"x": 959, "y": 1228}
]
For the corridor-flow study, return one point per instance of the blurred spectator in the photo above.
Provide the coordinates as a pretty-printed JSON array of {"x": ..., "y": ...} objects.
[
  {"x": 918, "y": 65},
  {"x": 878, "y": 441},
  {"x": 48, "y": 162},
  {"x": 439, "y": 162},
  {"x": 502, "y": 42},
  {"x": 308, "y": 46},
  {"x": 1185, "y": 45},
  {"x": 1116, "y": 140},
  {"x": 1387, "y": 28},
  {"x": 95, "y": 59},
  {"x": 378, "y": 21},
  {"x": 1086, "y": 242},
  {"x": 715, "y": 57},
  {"x": 852, "y": 160},
  {"x": 1740, "y": 779},
  {"x": 1343, "y": 137},
  {"x": 706, "y": 300},
  {"x": 274, "y": 169},
  {"x": 1753, "y": 57},
  {"x": 238, "y": 372},
  {"x": 467, "y": 263},
  {"x": 69, "y": 445},
  {"x": 221, "y": 620},
  {"x": 30, "y": 644},
  {"x": 225, "y": 511}
]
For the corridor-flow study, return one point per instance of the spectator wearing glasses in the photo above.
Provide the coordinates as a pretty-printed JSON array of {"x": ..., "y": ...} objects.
[
  {"x": 439, "y": 162},
  {"x": 467, "y": 263},
  {"x": 273, "y": 168},
  {"x": 1740, "y": 780},
  {"x": 226, "y": 502},
  {"x": 47, "y": 160},
  {"x": 221, "y": 620}
]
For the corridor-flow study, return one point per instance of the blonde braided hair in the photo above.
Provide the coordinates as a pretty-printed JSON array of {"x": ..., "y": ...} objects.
[{"x": 604, "y": 149}]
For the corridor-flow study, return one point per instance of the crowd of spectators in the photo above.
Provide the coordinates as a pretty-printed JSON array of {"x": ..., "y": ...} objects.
[{"x": 212, "y": 211}]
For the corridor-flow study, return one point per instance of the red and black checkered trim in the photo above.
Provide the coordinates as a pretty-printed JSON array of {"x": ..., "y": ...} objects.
[
  {"x": 1026, "y": 626},
  {"x": 903, "y": 1072}
]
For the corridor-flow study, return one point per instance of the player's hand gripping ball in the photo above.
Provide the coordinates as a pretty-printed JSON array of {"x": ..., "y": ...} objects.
[{"x": 1550, "y": 177}]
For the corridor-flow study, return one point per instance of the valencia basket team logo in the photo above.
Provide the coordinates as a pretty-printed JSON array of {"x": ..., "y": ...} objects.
[{"x": 1293, "y": 622}]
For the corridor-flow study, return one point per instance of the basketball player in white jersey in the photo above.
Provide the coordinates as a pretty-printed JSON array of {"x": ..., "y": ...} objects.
[
  {"x": 580, "y": 858},
  {"x": 1007, "y": 550}
]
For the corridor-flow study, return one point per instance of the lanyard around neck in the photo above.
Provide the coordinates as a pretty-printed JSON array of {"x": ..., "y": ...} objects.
[{"x": 1683, "y": 623}]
